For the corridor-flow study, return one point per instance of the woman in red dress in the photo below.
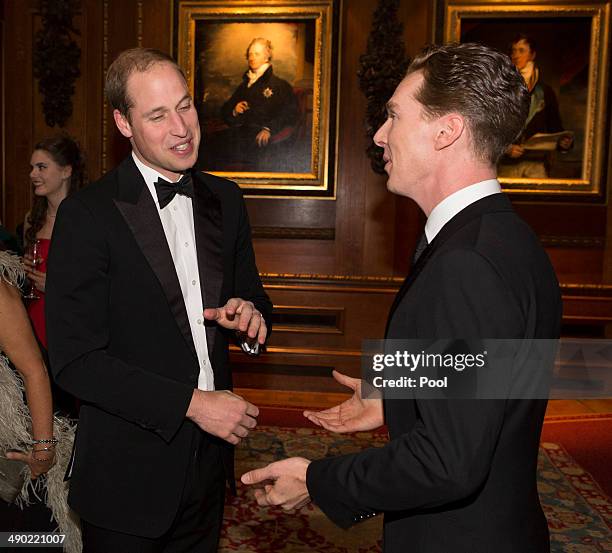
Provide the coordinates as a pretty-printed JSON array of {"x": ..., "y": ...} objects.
[{"x": 57, "y": 171}]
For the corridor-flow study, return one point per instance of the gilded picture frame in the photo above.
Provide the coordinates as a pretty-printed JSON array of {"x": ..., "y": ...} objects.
[
  {"x": 270, "y": 128},
  {"x": 570, "y": 67}
]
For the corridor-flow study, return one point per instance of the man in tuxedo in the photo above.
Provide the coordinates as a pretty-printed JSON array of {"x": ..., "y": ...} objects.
[
  {"x": 151, "y": 273},
  {"x": 458, "y": 474}
]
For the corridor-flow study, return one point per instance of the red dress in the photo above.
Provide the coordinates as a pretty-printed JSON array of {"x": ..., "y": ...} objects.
[{"x": 36, "y": 308}]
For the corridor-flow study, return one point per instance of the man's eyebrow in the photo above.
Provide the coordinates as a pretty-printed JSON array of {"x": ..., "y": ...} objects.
[
  {"x": 391, "y": 107},
  {"x": 159, "y": 109},
  {"x": 186, "y": 97},
  {"x": 162, "y": 109}
]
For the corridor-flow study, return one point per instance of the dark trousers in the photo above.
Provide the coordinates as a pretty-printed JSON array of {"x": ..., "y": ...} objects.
[{"x": 197, "y": 524}]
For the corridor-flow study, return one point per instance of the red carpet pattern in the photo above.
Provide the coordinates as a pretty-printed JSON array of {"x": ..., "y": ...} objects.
[{"x": 579, "y": 513}]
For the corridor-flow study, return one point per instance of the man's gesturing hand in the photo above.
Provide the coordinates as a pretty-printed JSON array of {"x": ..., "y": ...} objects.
[
  {"x": 239, "y": 314},
  {"x": 222, "y": 414},
  {"x": 282, "y": 483},
  {"x": 353, "y": 415}
]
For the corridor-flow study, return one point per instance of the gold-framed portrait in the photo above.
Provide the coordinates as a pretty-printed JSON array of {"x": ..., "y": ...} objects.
[
  {"x": 262, "y": 79},
  {"x": 562, "y": 51}
]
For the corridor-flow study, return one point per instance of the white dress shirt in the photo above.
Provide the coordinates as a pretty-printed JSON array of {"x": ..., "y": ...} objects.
[
  {"x": 177, "y": 221},
  {"x": 456, "y": 202}
]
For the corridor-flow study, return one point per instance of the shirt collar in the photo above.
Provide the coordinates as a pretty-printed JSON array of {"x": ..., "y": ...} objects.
[
  {"x": 149, "y": 175},
  {"x": 456, "y": 202},
  {"x": 254, "y": 75}
]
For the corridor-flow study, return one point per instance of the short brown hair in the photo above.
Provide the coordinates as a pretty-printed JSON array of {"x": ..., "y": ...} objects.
[
  {"x": 126, "y": 63},
  {"x": 481, "y": 84}
]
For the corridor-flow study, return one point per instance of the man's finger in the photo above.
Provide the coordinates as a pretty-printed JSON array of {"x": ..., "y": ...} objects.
[
  {"x": 263, "y": 331},
  {"x": 262, "y": 498},
  {"x": 257, "y": 475},
  {"x": 248, "y": 422},
  {"x": 254, "y": 324},
  {"x": 246, "y": 314},
  {"x": 241, "y": 431},
  {"x": 252, "y": 410},
  {"x": 212, "y": 313},
  {"x": 345, "y": 380},
  {"x": 231, "y": 307}
]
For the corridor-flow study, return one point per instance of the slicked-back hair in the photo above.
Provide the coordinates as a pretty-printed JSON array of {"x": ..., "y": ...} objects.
[
  {"x": 479, "y": 83},
  {"x": 130, "y": 61}
]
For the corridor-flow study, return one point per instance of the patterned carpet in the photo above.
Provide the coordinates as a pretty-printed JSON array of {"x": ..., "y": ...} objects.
[{"x": 579, "y": 513}]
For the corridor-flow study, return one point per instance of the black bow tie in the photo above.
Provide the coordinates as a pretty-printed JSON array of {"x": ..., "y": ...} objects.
[{"x": 167, "y": 190}]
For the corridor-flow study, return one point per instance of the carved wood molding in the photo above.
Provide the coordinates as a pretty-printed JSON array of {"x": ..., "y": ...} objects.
[{"x": 294, "y": 233}]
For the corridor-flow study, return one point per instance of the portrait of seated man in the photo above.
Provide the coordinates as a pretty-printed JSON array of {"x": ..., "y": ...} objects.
[{"x": 260, "y": 119}]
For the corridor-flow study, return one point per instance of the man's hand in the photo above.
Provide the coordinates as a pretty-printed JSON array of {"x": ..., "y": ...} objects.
[
  {"x": 263, "y": 137},
  {"x": 282, "y": 483},
  {"x": 354, "y": 414},
  {"x": 515, "y": 151},
  {"x": 240, "y": 108},
  {"x": 241, "y": 315},
  {"x": 222, "y": 414}
]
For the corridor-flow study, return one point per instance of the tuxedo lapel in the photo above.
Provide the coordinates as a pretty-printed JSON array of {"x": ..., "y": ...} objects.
[
  {"x": 140, "y": 213},
  {"x": 488, "y": 204},
  {"x": 208, "y": 226}
]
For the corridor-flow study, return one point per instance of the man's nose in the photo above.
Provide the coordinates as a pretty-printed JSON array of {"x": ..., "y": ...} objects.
[
  {"x": 380, "y": 138},
  {"x": 179, "y": 127}
]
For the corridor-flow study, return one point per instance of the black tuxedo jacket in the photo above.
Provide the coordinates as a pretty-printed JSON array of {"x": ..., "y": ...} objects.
[
  {"x": 120, "y": 340},
  {"x": 459, "y": 474}
]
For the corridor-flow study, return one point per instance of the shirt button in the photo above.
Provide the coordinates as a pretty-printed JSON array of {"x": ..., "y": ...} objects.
[
  {"x": 199, "y": 321},
  {"x": 175, "y": 208},
  {"x": 186, "y": 244},
  {"x": 193, "y": 282}
]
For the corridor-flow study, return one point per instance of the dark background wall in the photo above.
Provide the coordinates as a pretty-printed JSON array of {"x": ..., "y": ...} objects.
[{"x": 330, "y": 292}]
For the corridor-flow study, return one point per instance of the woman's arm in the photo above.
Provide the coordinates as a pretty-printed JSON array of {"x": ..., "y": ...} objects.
[{"x": 18, "y": 343}]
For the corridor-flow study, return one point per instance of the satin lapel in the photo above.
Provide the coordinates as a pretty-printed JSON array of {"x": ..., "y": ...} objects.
[
  {"x": 489, "y": 204},
  {"x": 208, "y": 223},
  {"x": 140, "y": 213}
]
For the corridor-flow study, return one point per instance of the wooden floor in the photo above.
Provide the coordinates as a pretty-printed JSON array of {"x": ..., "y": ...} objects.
[{"x": 557, "y": 407}]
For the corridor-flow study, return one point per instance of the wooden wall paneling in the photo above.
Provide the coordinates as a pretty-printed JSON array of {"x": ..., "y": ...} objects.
[
  {"x": 295, "y": 256},
  {"x": 19, "y": 107},
  {"x": 354, "y": 173},
  {"x": 124, "y": 30},
  {"x": 92, "y": 77}
]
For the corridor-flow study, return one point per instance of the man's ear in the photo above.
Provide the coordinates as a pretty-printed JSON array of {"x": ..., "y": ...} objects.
[
  {"x": 449, "y": 129},
  {"x": 122, "y": 124}
]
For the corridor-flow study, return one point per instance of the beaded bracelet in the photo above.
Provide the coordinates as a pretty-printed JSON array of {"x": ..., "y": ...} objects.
[{"x": 53, "y": 441}]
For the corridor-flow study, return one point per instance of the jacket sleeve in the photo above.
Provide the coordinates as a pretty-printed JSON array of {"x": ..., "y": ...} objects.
[
  {"x": 447, "y": 456},
  {"x": 77, "y": 313}
]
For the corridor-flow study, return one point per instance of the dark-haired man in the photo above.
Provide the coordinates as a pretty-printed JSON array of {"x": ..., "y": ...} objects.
[
  {"x": 457, "y": 474},
  {"x": 151, "y": 272}
]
